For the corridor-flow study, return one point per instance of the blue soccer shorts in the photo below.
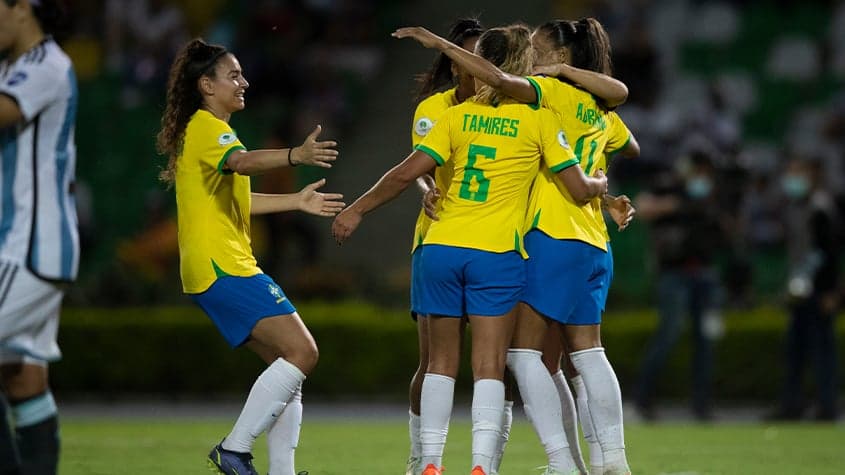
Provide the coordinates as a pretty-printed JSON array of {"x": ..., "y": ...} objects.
[
  {"x": 566, "y": 280},
  {"x": 236, "y": 304},
  {"x": 416, "y": 282},
  {"x": 460, "y": 281}
]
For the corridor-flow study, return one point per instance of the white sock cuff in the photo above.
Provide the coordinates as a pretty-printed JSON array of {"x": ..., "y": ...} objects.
[
  {"x": 283, "y": 366},
  {"x": 508, "y": 404},
  {"x": 517, "y": 356},
  {"x": 580, "y": 354},
  {"x": 440, "y": 378},
  {"x": 528, "y": 351}
]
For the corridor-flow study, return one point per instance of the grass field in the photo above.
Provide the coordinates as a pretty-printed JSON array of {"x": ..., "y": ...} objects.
[{"x": 132, "y": 446}]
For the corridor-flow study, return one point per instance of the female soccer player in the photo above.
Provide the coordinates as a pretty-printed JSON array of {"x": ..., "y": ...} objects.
[
  {"x": 472, "y": 261},
  {"x": 567, "y": 244},
  {"x": 210, "y": 168},
  {"x": 434, "y": 100}
]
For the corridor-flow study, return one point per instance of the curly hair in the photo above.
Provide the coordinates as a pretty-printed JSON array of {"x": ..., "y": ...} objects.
[
  {"x": 439, "y": 76},
  {"x": 509, "y": 49},
  {"x": 587, "y": 41},
  {"x": 195, "y": 60}
]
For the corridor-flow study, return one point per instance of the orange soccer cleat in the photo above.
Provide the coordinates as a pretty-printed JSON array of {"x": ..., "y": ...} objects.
[
  {"x": 477, "y": 471},
  {"x": 430, "y": 469}
]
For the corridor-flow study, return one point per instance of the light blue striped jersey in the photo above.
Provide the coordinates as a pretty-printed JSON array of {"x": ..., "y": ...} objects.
[{"x": 38, "y": 224}]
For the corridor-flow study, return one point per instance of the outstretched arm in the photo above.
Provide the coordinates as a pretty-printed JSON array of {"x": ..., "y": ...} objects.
[
  {"x": 393, "y": 183},
  {"x": 514, "y": 86},
  {"x": 308, "y": 200},
  {"x": 311, "y": 152},
  {"x": 613, "y": 91}
]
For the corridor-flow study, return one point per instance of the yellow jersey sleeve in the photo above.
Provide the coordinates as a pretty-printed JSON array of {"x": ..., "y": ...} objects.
[
  {"x": 557, "y": 154},
  {"x": 438, "y": 143},
  {"x": 427, "y": 112},
  {"x": 215, "y": 142},
  {"x": 552, "y": 93},
  {"x": 618, "y": 134}
]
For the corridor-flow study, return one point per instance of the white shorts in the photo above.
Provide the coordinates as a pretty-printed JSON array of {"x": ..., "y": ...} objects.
[{"x": 29, "y": 316}]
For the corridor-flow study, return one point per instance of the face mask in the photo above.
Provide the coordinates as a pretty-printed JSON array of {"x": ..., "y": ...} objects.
[
  {"x": 795, "y": 186},
  {"x": 699, "y": 187}
]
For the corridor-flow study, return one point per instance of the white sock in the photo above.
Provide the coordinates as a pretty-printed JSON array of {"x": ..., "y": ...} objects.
[
  {"x": 542, "y": 405},
  {"x": 570, "y": 422},
  {"x": 267, "y": 398},
  {"x": 605, "y": 401},
  {"x": 488, "y": 406},
  {"x": 507, "y": 421},
  {"x": 414, "y": 432},
  {"x": 283, "y": 437},
  {"x": 587, "y": 424},
  {"x": 435, "y": 410}
]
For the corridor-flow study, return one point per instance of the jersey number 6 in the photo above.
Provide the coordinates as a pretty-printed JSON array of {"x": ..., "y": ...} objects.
[{"x": 476, "y": 174}]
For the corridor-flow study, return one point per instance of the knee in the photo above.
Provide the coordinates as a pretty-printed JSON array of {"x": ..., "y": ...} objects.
[
  {"x": 310, "y": 356},
  {"x": 489, "y": 368},
  {"x": 304, "y": 356}
]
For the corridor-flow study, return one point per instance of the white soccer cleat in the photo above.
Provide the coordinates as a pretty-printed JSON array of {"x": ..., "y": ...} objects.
[{"x": 414, "y": 466}]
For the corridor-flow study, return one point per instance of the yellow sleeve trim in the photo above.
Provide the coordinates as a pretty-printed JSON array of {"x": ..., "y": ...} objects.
[
  {"x": 434, "y": 155},
  {"x": 226, "y": 157},
  {"x": 564, "y": 165},
  {"x": 538, "y": 91},
  {"x": 620, "y": 148}
]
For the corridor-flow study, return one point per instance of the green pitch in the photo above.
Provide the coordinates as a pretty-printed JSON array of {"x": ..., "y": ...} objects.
[{"x": 133, "y": 446}]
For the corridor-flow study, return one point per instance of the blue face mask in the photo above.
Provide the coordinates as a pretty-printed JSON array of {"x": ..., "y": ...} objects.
[
  {"x": 699, "y": 187},
  {"x": 795, "y": 186}
]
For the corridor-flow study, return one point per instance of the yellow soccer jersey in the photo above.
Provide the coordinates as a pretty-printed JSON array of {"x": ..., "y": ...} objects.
[
  {"x": 213, "y": 206},
  {"x": 496, "y": 154},
  {"x": 552, "y": 209},
  {"x": 428, "y": 111}
]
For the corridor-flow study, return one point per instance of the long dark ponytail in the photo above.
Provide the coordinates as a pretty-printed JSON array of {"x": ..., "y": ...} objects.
[
  {"x": 439, "y": 76},
  {"x": 196, "y": 59},
  {"x": 588, "y": 43}
]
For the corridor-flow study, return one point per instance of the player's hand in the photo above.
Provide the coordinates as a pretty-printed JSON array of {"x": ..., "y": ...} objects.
[
  {"x": 429, "y": 202},
  {"x": 345, "y": 224},
  {"x": 314, "y": 153},
  {"x": 599, "y": 175},
  {"x": 320, "y": 204},
  {"x": 620, "y": 209},
  {"x": 423, "y": 36}
]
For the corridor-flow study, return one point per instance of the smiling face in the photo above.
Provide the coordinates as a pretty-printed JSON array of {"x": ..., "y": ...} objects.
[{"x": 224, "y": 92}]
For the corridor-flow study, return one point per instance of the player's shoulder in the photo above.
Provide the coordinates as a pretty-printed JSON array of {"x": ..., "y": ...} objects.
[
  {"x": 430, "y": 110},
  {"x": 436, "y": 103},
  {"x": 46, "y": 55}
]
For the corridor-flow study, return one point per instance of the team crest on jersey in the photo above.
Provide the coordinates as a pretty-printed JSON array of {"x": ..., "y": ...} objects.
[
  {"x": 276, "y": 292},
  {"x": 561, "y": 139},
  {"x": 423, "y": 126},
  {"x": 16, "y": 78},
  {"x": 226, "y": 138}
]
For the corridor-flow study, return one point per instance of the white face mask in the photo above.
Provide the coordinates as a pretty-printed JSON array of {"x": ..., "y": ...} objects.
[
  {"x": 795, "y": 186},
  {"x": 699, "y": 187}
]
